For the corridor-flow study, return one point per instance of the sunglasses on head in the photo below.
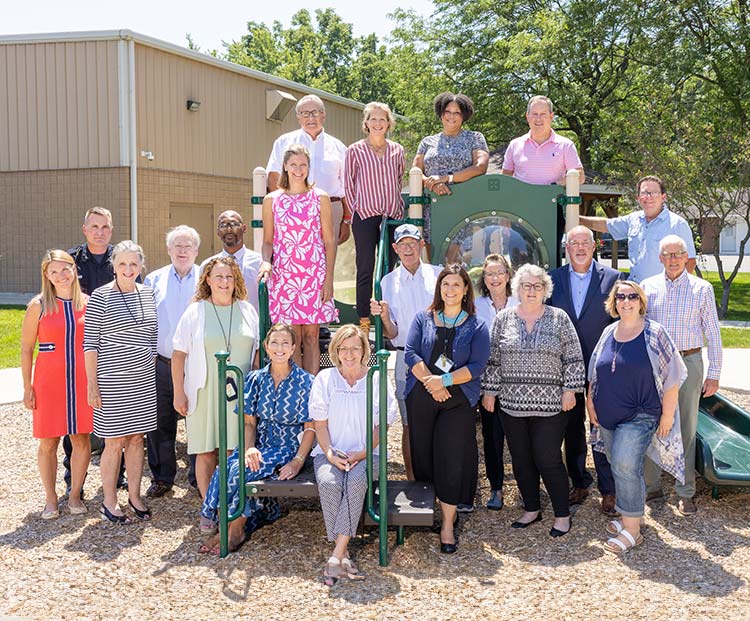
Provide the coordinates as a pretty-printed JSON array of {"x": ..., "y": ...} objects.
[{"x": 627, "y": 296}]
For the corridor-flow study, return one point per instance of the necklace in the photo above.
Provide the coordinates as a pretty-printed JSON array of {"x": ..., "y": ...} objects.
[
  {"x": 379, "y": 151},
  {"x": 615, "y": 352},
  {"x": 227, "y": 339},
  {"x": 127, "y": 306}
]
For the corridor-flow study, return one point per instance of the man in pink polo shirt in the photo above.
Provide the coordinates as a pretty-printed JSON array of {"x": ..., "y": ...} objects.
[{"x": 541, "y": 157}]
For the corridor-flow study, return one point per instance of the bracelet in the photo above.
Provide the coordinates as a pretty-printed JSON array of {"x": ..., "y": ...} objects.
[
  {"x": 298, "y": 458},
  {"x": 450, "y": 179},
  {"x": 447, "y": 379},
  {"x": 345, "y": 221}
]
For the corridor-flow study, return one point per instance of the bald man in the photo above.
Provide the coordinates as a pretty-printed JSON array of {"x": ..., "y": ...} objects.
[{"x": 231, "y": 229}]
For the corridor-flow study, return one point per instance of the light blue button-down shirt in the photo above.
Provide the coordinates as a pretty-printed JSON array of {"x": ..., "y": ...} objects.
[
  {"x": 644, "y": 237},
  {"x": 172, "y": 295},
  {"x": 579, "y": 286}
]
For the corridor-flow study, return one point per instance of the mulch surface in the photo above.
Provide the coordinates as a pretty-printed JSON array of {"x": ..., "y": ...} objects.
[{"x": 78, "y": 567}]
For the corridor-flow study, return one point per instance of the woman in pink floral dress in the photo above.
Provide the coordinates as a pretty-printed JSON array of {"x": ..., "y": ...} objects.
[{"x": 299, "y": 251}]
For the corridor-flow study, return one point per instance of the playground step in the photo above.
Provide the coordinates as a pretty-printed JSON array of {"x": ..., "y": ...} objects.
[{"x": 410, "y": 503}]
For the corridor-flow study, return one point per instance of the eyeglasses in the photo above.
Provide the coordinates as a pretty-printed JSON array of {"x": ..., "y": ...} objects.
[
  {"x": 307, "y": 114},
  {"x": 647, "y": 194},
  {"x": 495, "y": 274},
  {"x": 357, "y": 349},
  {"x": 579, "y": 244},
  {"x": 223, "y": 277},
  {"x": 673, "y": 255},
  {"x": 528, "y": 286},
  {"x": 224, "y": 226},
  {"x": 451, "y": 113},
  {"x": 621, "y": 297}
]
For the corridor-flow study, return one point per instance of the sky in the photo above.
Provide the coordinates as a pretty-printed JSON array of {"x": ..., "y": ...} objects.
[{"x": 209, "y": 21}]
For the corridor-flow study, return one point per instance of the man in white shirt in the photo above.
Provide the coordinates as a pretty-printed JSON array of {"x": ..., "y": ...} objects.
[
  {"x": 326, "y": 159},
  {"x": 408, "y": 289},
  {"x": 174, "y": 286},
  {"x": 231, "y": 231}
]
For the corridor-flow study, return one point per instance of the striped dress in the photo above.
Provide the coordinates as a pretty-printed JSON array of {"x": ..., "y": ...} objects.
[{"x": 122, "y": 328}]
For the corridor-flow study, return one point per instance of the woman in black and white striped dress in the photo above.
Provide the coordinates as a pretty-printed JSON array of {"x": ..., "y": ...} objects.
[{"x": 120, "y": 348}]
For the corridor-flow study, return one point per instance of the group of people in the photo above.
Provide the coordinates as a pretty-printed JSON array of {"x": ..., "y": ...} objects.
[{"x": 531, "y": 352}]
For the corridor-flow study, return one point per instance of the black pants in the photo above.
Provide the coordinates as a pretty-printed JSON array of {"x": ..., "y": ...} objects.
[
  {"x": 534, "y": 443},
  {"x": 444, "y": 444},
  {"x": 366, "y": 237},
  {"x": 162, "y": 458},
  {"x": 494, "y": 439},
  {"x": 576, "y": 449}
]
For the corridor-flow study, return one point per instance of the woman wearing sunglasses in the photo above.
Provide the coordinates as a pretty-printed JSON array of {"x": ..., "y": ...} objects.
[
  {"x": 535, "y": 369},
  {"x": 635, "y": 375}
]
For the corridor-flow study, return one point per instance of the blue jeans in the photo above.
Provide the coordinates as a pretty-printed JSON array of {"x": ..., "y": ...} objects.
[{"x": 626, "y": 447}]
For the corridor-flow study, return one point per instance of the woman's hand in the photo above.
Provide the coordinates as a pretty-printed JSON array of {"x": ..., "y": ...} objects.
[
  {"x": 432, "y": 383},
  {"x": 264, "y": 272},
  {"x": 29, "y": 398},
  {"x": 593, "y": 418},
  {"x": 180, "y": 402},
  {"x": 94, "y": 396},
  {"x": 568, "y": 400},
  {"x": 290, "y": 470},
  {"x": 441, "y": 395},
  {"x": 337, "y": 461},
  {"x": 488, "y": 402},
  {"x": 326, "y": 293},
  {"x": 253, "y": 459},
  {"x": 665, "y": 425}
]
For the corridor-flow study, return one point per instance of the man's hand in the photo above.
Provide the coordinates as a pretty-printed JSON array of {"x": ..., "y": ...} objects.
[
  {"x": 710, "y": 386},
  {"x": 344, "y": 232}
]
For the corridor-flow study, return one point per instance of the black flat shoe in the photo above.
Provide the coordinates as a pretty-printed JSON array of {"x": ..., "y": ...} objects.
[
  {"x": 555, "y": 532},
  {"x": 115, "y": 519},
  {"x": 518, "y": 524},
  {"x": 144, "y": 515},
  {"x": 449, "y": 548}
]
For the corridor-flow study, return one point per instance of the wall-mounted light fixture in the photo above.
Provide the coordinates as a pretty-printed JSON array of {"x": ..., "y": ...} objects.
[
  {"x": 193, "y": 105},
  {"x": 148, "y": 155}
]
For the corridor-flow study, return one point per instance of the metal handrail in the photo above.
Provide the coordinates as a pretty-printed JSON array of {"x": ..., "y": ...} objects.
[
  {"x": 222, "y": 358},
  {"x": 381, "y": 516},
  {"x": 264, "y": 320}
]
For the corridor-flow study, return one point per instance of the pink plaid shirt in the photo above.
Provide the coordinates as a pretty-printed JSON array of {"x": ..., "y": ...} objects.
[
  {"x": 686, "y": 307},
  {"x": 541, "y": 164}
]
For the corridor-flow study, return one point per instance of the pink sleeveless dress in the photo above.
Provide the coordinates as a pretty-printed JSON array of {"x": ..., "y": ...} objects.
[{"x": 299, "y": 261}]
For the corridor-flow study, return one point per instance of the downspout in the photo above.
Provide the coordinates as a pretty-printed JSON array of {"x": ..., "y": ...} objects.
[{"x": 132, "y": 136}]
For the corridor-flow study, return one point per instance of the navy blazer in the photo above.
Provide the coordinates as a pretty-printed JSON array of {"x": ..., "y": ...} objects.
[{"x": 594, "y": 318}]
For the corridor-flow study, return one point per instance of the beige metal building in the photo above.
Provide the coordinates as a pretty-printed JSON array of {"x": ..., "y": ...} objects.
[{"x": 103, "y": 118}]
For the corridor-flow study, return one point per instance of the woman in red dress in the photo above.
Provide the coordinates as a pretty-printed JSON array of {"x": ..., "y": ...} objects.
[{"x": 58, "y": 392}]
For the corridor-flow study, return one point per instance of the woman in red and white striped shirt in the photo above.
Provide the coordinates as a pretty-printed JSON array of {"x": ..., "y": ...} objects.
[{"x": 373, "y": 169}]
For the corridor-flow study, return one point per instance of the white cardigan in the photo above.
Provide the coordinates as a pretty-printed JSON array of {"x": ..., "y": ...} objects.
[{"x": 188, "y": 338}]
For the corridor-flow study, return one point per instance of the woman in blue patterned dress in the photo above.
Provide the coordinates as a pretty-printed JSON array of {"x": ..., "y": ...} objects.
[
  {"x": 455, "y": 154},
  {"x": 275, "y": 417}
]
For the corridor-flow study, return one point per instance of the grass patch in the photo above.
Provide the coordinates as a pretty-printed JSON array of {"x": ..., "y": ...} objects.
[
  {"x": 735, "y": 337},
  {"x": 739, "y": 295},
  {"x": 11, "y": 318}
]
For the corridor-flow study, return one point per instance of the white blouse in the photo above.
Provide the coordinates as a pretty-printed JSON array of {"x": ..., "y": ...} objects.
[
  {"x": 486, "y": 312},
  {"x": 345, "y": 409}
]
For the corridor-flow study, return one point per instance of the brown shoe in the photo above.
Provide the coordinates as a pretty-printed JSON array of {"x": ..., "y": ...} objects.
[
  {"x": 655, "y": 495},
  {"x": 686, "y": 506},
  {"x": 577, "y": 496},
  {"x": 608, "y": 506}
]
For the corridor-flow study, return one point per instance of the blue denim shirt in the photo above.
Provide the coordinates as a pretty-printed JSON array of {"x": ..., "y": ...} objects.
[
  {"x": 644, "y": 237},
  {"x": 471, "y": 349}
]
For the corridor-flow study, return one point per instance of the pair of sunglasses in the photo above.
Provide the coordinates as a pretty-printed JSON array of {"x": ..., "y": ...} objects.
[{"x": 627, "y": 296}]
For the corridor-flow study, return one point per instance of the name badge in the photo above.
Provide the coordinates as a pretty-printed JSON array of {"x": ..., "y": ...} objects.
[{"x": 444, "y": 363}]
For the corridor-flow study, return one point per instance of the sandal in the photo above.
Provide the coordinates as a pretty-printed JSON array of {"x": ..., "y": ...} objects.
[
  {"x": 143, "y": 515},
  {"x": 617, "y": 546},
  {"x": 80, "y": 510},
  {"x": 208, "y": 527},
  {"x": 615, "y": 527},
  {"x": 50, "y": 514},
  {"x": 351, "y": 570},
  {"x": 115, "y": 519},
  {"x": 332, "y": 572}
]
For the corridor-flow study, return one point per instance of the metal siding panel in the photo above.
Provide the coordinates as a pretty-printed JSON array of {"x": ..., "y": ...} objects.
[
  {"x": 20, "y": 143},
  {"x": 71, "y": 113},
  {"x": 61, "y": 107},
  {"x": 4, "y": 111},
  {"x": 41, "y": 97},
  {"x": 50, "y": 103}
]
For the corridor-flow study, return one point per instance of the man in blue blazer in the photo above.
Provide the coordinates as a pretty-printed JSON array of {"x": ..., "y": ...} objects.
[{"x": 580, "y": 289}]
